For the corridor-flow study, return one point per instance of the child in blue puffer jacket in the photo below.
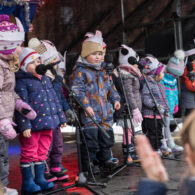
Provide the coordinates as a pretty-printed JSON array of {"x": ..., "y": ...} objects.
[
  {"x": 36, "y": 135},
  {"x": 91, "y": 84}
]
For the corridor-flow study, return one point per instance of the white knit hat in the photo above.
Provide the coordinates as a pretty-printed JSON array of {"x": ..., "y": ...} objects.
[
  {"x": 125, "y": 53},
  {"x": 26, "y": 56}
]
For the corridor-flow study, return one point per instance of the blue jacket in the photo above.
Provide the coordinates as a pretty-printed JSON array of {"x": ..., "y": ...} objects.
[
  {"x": 57, "y": 85},
  {"x": 41, "y": 96},
  {"x": 93, "y": 88},
  {"x": 150, "y": 187},
  {"x": 159, "y": 94},
  {"x": 170, "y": 83}
]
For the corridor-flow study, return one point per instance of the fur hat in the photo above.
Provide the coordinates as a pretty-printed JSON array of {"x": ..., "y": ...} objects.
[
  {"x": 11, "y": 35},
  {"x": 175, "y": 64},
  {"x": 125, "y": 53},
  {"x": 26, "y": 56},
  {"x": 92, "y": 44},
  {"x": 154, "y": 67}
]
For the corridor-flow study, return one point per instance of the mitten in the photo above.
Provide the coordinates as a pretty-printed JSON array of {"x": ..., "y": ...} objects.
[
  {"x": 6, "y": 128},
  {"x": 24, "y": 109},
  {"x": 137, "y": 116},
  {"x": 70, "y": 115}
]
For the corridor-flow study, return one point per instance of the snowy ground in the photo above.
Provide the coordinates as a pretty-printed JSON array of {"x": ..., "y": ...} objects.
[{"x": 118, "y": 131}]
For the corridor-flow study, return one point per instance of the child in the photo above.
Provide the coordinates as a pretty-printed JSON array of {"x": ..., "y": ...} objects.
[
  {"x": 92, "y": 87},
  {"x": 11, "y": 36},
  {"x": 130, "y": 75},
  {"x": 49, "y": 54},
  {"x": 36, "y": 136},
  {"x": 153, "y": 129},
  {"x": 174, "y": 68},
  {"x": 103, "y": 65}
]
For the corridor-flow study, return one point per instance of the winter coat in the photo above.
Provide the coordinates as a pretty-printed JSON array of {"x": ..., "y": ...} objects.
[
  {"x": 93, "y": 88},
  {"x": 187, "y": 98},
  {"x": 170, "y": 83},
  {"x": 57, "y": 85},
  {"x": 41, "y": 96},
  {"x": 132, "y": 89},
  {"x": 158, "y": 91},
  {"x": 8, "y": 96},
  {"x": 151, "y": 187}
]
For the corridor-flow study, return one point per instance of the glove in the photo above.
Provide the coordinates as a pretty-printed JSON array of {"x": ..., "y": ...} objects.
[
  {"x": 6, "y": 128},
  {"x": 70, "y": 115},
  {"x": 137, "y": 116},
  {"x": 24, "y": 109}
]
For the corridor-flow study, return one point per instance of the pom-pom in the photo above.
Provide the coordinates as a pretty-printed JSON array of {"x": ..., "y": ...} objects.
[
  {"x": 4, "y": 18},
  {"x": 33, "y": 43},
  {"x": 180, "y": 54}
]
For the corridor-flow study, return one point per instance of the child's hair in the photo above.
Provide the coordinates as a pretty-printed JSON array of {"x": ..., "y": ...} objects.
[{"x": 188, "y": 131}]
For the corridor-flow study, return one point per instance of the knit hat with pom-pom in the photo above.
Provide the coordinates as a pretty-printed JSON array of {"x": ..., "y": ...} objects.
[
  {"x": 175, "y": 64},
  {"x": 11, "y": 35}
]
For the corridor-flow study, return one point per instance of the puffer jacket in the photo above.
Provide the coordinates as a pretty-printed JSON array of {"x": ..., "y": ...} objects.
[
  {"x": 93, "y": 88},
  {"x": 159, "y": 94},
  {"x": 132, "y": 90},
  {"x": 41, "y": 96},
  {"x": 8, "y": 96}
]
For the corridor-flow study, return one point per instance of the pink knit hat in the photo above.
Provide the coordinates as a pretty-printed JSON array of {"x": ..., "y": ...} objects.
[{"x": 11, "y": 36}]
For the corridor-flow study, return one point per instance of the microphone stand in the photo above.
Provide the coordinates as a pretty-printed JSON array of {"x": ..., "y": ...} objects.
[
  {"x": 80, "y": 180},
  {"x": 127, "y": 114}
]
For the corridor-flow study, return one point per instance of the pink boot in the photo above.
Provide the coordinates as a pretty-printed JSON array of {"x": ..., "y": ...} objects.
[
  {"x": 6, "y": 128},
  {"x": 24, "y": 109}
]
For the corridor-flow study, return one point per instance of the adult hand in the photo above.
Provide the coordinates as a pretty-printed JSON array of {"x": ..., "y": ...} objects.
[
  {"x": 150, "y": 160},
  {"x": 117, "y": 105},
  {"x": 189, "y": 159},
  {"x": 27, "y": 133}
]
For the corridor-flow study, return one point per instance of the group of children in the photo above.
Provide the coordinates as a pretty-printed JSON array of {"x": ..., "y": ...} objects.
[{"x": 41, "y": 105}]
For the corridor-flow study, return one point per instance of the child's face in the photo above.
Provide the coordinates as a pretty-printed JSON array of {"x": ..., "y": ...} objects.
[
  {"x": 32, "y": 65},
  {"x": 160, "y": 77},
  {"x": 95, "y": 58}
]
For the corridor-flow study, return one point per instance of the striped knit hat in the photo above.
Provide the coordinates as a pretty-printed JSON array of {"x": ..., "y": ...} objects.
[{"x": 26, "y": 56}]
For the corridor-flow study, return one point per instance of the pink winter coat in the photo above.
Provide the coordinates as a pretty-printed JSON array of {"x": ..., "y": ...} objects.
[{"x": 8, "y": 96}]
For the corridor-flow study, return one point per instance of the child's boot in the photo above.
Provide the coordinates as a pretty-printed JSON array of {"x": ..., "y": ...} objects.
[
  {"x": 57, "y": 172},
  {"x": 49, "y": 177},
  {"x": 133, "y": 154},
  {"x": 164, "y": 148},
  {"x": 28, "y": 184},
  {"x": 174, "y": 147},
  {"x": 39, "y": 176},
  {"x": 126, "y": 154}
]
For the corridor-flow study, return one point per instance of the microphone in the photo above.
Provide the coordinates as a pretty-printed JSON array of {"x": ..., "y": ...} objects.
[
  {"x": 41, "y": 69},
  {"x": 109, "y": 67},
  {"x": 133, "y": 60}
]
